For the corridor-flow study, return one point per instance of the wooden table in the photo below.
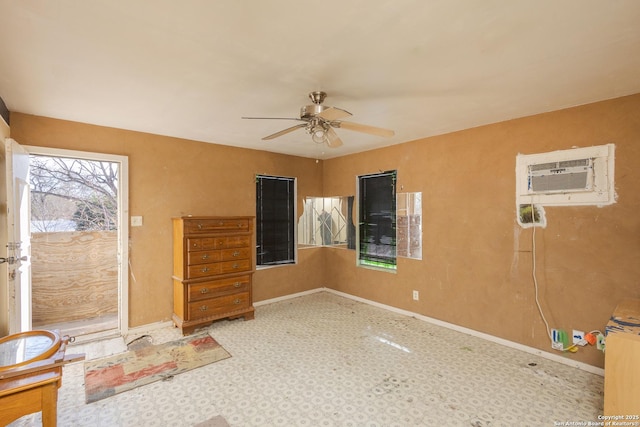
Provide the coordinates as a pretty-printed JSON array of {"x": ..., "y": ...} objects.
[{"x": 31, "y": 373}]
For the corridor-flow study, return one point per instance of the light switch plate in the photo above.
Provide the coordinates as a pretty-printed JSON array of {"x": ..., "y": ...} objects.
[{"x": 136, "y": 221}]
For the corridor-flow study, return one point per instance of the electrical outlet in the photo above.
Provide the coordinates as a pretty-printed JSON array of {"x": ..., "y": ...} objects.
[
  {"x": 578, "y": 338},
  {"x": 559, "y": 339},
  {"x": 416, "y": 295},
  {"x": 136, "y": 221}
]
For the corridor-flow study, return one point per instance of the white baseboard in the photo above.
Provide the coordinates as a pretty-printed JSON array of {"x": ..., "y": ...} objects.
[
  {"x": 141, "y": 330},
  {"x": 290, "y": 296},
  {"x": 580, "y": 365}
]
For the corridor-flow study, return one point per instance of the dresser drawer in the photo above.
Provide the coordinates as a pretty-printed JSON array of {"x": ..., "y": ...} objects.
[
  {"x": 211, "y": 243},
  {"x": 214, "y": 224},
  {"x": 206, "y": 243},
  {"x": 203, "y": 270},
  {"x": 238, "y": 242},
  {"x": 221, "y": 305},
  {"x": 232, "y": 254},
  {"x": 228, "y": 267},
  {"x": 203, "y": 257},
  {"x": 206, "y": 290}
]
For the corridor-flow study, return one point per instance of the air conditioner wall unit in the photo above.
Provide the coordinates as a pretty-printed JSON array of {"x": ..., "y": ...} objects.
[
  {"x": 567, "y": 175},
  {"x": 578, "y": 176}
]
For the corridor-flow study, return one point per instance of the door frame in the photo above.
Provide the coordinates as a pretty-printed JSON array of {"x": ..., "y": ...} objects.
[
  {"x": 5, "y": 297},
  {"x": 16, "y": 236},
  {"x": 123, "y": 228}
]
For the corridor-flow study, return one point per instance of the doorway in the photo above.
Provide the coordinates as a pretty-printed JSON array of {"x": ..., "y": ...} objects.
[{"x": 79, "y": 232}]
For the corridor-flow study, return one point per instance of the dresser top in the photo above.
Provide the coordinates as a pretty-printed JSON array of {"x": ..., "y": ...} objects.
[{"x": 625, "y": 318}]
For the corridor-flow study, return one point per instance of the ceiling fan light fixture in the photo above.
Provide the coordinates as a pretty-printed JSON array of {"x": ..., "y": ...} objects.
[{"x": 318, "y": 135}]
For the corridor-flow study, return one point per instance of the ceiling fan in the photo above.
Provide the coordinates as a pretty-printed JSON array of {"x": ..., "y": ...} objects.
[{"x": 319, "y": 122}]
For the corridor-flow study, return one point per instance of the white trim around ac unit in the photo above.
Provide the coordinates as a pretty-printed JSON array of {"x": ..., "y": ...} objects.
[{"x": 601, "y": 191}]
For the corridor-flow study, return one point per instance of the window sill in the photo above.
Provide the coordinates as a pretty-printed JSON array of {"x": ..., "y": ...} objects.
[
  {"x": 373, "y": 267},
  {"x": 267, "y": 267}
]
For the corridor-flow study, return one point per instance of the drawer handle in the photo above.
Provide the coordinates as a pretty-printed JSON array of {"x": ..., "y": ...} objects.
[
  {"x": 221, "y": 223},
  {"x": 235, "y": 265},
  {"x": 205, "y": 256},
  {"x": 220, "y": 242},
  {"x": 195, "y": 244},
  {"x": 237, "y": 285},
  {"x": 204, "y": 308},
  {"x": 204, "y": 290},
  {"x": 236, "y": 253},
  {"x": 204, "y": 270},
  {"x": 199, "y": 226},
  {"x": 236, "y": 301},
  {"x": 239, "y": 225}
]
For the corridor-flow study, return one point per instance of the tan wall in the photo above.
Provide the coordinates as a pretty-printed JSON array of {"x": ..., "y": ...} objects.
[
  {"x": 476, "y": 267},
  {"x": 171, "y": 177},
  {"x": 74, "y": 276},
  {"x": 477, "y": 262}
]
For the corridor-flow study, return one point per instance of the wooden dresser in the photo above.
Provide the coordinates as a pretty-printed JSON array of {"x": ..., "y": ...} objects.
[
  {"x": 212, "y": 270},
  {"x": 622, "y": 363}
]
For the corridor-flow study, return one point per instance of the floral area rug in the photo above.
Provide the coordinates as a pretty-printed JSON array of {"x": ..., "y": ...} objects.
[{"x": 125, "y": 371}]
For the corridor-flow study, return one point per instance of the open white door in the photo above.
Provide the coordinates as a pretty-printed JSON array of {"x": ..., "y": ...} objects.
[{"x": 18, "y": 236}]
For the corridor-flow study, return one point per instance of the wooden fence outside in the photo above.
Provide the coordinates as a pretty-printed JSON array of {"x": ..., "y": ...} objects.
[{"x": 74, "y": 276}]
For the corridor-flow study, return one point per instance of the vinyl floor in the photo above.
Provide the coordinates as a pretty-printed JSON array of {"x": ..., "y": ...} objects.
[{"x": 325, "y": 360}]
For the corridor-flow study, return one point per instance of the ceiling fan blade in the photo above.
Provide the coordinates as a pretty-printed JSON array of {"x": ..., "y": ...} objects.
[
  {"x": 274, "y": 118},
  {"x": 333, "y": 140},
  {"x": 285, "y": 131},
  {"x": 333, "y": 113},
  {"x": 363, "y": 128}
]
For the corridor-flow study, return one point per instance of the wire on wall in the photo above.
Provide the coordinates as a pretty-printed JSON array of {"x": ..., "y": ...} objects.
[
  {"x": 535, "y": 284},
  {"x": 535, "y": 280}
]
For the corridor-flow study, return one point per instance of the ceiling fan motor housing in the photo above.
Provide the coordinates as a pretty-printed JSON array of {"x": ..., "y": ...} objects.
[{"x": 309, "y": 111}]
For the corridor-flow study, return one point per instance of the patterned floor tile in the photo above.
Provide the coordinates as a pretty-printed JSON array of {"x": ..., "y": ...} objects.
[{"x": 325, "y": 360}]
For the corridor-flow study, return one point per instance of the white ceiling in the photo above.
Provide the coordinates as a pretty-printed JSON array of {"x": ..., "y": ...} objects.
[{"x": 192, "y": 69}]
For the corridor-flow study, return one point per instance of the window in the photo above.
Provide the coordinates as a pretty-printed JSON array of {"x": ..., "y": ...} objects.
[
  {"x": 327, "y": 221},
  {"x": 409, "y": 225},
  {"x": 275, "y": 220},
  {"x": 377, "y": 215}
]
